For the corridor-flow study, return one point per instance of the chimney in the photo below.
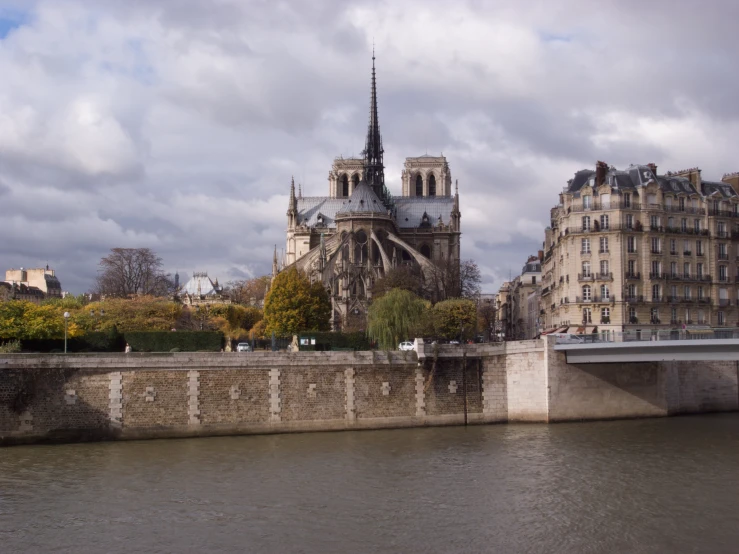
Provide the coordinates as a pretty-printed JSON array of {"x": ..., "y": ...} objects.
[
  {"x": 541, "y": 255},
  {"x": 600, "y": 173},
  {"x": 733, "y": 180}
]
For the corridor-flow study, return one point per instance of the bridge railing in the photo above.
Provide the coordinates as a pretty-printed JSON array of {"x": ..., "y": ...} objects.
[{"x": 646, "y": 335}]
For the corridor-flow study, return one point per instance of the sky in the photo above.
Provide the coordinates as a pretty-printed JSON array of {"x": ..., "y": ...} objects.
[{"x": 177, "y": 125}]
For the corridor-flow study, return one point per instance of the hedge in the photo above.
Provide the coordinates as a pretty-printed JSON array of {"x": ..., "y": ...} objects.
[
  {"x": 330, "y": 340},
  {"x": 91, "y": 342},
  {"x": 165, "y": 341}
]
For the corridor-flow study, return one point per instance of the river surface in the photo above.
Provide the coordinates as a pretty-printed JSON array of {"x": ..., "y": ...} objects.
[{"x": 658, "y": 485}]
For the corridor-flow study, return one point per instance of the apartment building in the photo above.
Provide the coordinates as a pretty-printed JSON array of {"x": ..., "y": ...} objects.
[
  {"x": 634, "y": 250},
  {"x": 519, "y": 302}
]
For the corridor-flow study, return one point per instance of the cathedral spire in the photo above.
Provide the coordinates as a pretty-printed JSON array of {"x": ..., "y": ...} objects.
[{"x": 374, "y": 170}]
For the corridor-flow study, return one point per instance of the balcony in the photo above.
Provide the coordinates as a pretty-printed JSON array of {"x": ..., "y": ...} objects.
[
  {"x": 601, "y": 251},
  {"x": 721, "y": 235},
  {"x": 700, "y": 253},
  {"x": 634, "y": 299},
  {"x": 687, "y": 253},
  {"x": 704, "y": 300},
  {"x": 585, "y": 277},
  {"x": 723, "y": 302},
  {"x": 653, "y": 275},
  {"x": 604, "y": 276},
  {"x": 596, "y": 300},
  {"x": 658, "y": 300},
  {"x": 724, "y": 279},
  {"x": 655, "y": 321},
  {"x": 722, "y": 256},
  {"x": 656, "y": 251},
  {"x": 583, "y": 252},
  {"x": 631, "y": 275}
]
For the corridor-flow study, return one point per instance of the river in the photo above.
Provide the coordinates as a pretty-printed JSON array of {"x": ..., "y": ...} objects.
[{"x": 657, "y": 485}]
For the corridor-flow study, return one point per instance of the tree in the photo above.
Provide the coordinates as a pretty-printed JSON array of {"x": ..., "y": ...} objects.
[
  {"x": 133, "y": 271},
  {"x": 293, "y": 304},
  {"x": 454, "y": 318},
  {"x": 455, "y": 280},
  {"x": 394, "y": 317},
  {"x": 402, "y": 277},
  {"x": 486, "y": 316},
  {"x": 469, "y": 279},
  {"x": 248, "y": 292}
]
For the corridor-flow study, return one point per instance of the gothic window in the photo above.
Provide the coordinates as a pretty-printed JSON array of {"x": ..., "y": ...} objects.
[
  {"x": 360, "y": 250},
  {"x": 419, "y": 186},
  {"x": 432, "y": 185},
  {"x": 355, "y": 181},
  {"x": 344, "y": 186},
  {"x": 426, "y": 250}
]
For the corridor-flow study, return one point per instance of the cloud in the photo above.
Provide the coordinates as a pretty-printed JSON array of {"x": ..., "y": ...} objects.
[{"x": 178, "y": 125}]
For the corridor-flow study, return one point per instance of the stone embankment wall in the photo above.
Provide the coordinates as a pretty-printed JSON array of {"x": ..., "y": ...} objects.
[{"x": 115, "y": 396}]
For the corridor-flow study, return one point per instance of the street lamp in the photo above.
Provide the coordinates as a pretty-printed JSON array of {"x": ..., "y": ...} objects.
[{"x": 66, "y": 318}]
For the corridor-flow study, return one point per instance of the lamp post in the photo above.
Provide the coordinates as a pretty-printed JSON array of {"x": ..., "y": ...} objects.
[{"x": 66, "y": 318}]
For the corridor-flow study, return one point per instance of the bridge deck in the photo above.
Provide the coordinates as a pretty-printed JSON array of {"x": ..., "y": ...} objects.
[{"x": 651, "y": 351}]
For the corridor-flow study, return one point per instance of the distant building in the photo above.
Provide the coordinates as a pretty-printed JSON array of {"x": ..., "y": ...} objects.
[
  {"x": 519, "y": 302},
  {"x": 26, "y": 284},
  {"x": 201, "y": 290}
]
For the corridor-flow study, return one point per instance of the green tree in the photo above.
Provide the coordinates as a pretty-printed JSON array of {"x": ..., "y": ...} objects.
[
  {"x": 454, "y": 318},
  {"x": 293, "y": 305},
  {"x": 394, "y": 317}
]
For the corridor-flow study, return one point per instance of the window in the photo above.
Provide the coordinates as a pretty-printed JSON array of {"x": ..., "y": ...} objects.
[
  {"x": 686, "y": 269},
  {"x": 344, "y": 186},
  {"x": 586, "y": 246},
  {"x": 686, "y": 247},
  {"x": 586, "y": 223},
  {"x": 432, "y": 185},
  {"x": 686, "y": 293},
  {"x": 668, "y": 202},
  {"x": 656, "y": 269},
  {"x": 631, "y": 290},
  {"x": 586, "y": 269},
  {"x": 684, "y": 225},
  {"x": 656, "y": 293},
  {"x": 699, "y": 270},
  {"x": 720, "y": 317},
  {"x": 673, "y": 291},
  {"x": 586, "y": 293},
  {"x": 700, "y": 293},
  {"x": 697, "y": 225},
  {"x": 654, "y": 316},
  {"x": 670, "y": 222},
  {"x": 673, "y": 269},
  {"x": 631, "y": 264},
  {"x": 699, "y": 247},
  {"x": 701, "y": 317},
  {"x": 605, "y": 294},
  {"x": 604, "y": 267},
  {"x": 681, "y": 201},
  {"x": 587, "y": 315},
  {"x": 722, "y": 273},
  {"x": 631, "y": 245},
  {"x": 419, "y": 186},
  {"x": 654, "y": 222},
  {"x": 605, "y": 315},
  {"x": 687, "y": 316},
  {"x": 627, "y": 200},
  {"x": 673, "y": 316},
  {"x": 632, "y": 315},
  {"x": 605, "y": 201},
  {"x": 721, "y": 228},
  {"x": 673, "y": 246},
  {"x": 656, "y": 245},
  {"x": 603, "y": 245},
  {"x": 587, "y": 202},
  {"x": 629, "y": 221},
  {"x": 722, "y": 252},
  {"x": 604, "y": 221},
  {"x": 723, "y": 297},
  {"x": 533, "y": 280}
]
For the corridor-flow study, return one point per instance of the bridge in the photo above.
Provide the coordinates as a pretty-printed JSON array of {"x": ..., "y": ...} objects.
[{"x": 700, "y": 345}]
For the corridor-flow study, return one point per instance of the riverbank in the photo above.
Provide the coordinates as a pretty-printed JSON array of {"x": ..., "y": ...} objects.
[{"x": 58, "y": 398}]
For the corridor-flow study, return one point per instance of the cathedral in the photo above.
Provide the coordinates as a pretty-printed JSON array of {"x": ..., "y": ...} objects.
[{"x": 357, "y": 233}]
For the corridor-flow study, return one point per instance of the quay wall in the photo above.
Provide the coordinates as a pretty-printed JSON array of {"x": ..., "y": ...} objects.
[{"x": 64, "y": 398}]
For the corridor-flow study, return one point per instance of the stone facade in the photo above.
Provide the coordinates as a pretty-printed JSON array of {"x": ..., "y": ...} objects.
[
  {"x": 635, "y": 250},
  {"x": 52, "y": 398}
]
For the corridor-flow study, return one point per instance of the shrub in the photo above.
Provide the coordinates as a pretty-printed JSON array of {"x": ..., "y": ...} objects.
[{"x": 10, "y": 347}]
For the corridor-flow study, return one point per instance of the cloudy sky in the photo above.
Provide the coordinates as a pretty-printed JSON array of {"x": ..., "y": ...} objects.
[{"x": 177, "y": 124}]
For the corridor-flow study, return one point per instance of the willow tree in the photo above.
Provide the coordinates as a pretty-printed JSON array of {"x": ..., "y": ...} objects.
[{"x": 394, "y": 316}]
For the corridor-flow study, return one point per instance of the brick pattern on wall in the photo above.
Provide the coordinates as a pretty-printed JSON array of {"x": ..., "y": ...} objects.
[
  {"x": 115, "y": 400},
  {"x": 350, "y": 407},
  {"x": 495, "y": 389},
  {"x": 446, "y": 393},
  {"x": 313, "y": 393},
  {"x": 169, "y": 406},
  {"x": 420, "y": 393},
  {"x": 371, "y": 384},
  {"x": 193, "y": 397},
  {"x": 275, "y": 405},
  {"x": 234, "y": 396}
]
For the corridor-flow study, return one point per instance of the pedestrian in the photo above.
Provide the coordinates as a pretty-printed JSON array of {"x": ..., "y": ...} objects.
[{"x": 128, "y": 348}]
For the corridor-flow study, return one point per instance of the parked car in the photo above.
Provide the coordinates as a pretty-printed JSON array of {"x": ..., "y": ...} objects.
[
  {"x": 406, "y": 345},
  {"x": 243, "y": 347},
  {"x": 453, "y": 342}
]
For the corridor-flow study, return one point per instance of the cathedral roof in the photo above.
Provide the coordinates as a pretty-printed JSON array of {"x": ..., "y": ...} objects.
[
  {"x": 363, "y": 200},
  {"x": 411, "y": 209}
]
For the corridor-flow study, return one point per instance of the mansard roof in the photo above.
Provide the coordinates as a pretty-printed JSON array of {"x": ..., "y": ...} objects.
[
  {"x": 724, "y": 190},
  {"x": 631, "y": 178}
]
